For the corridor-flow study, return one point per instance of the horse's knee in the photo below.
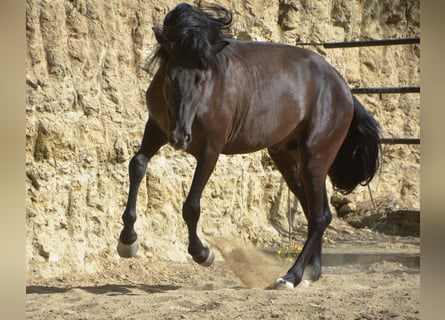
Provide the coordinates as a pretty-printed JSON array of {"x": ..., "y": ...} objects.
[
  {"x": 319, "y": 224},
  {"x": 138, "y": 163},
  {"x": 191, "y": 210},
  {"x": 326, "y": 217},
  {"x": 137, "y": 166}
]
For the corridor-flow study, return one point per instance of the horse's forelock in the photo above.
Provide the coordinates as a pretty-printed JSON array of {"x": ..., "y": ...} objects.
[{"x": 196, "y": 32}]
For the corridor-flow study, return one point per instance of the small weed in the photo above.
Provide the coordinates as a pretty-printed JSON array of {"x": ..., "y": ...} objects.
[{"x": 289, "y": 253}]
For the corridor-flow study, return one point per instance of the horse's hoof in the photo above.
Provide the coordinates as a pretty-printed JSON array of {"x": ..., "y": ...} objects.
[
  {"x": 282, "y": 284},
  {"x": 209, "y": 259},
  {"x": 127, "y": 250},
  {"x": 305, "y": 283}
]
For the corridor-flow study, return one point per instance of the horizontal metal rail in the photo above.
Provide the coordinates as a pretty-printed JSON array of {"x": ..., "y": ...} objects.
[
  {"x": 381, "y": 90},
  {"x": 386, "y": 90},
  {"x": 400, "y": 140},
  {"x": 364, "y": 43}
]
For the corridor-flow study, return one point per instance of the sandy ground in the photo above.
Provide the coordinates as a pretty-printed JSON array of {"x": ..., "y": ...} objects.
[{"x": 379, "y": 285}]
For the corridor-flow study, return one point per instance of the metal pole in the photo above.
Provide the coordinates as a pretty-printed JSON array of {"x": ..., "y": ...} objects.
[
  {"x": 371, "y": 43},
  {"x": 400, "y": 140},
  {"x": 364, "y": 43},
  {"x": 386, "y": 90}
]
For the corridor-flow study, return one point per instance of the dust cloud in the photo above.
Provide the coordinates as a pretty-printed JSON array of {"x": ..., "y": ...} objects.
[{"x": 254, "y": 268}]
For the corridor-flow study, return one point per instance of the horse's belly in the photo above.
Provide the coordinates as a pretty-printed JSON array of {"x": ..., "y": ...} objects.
[
  {"x": 255, "y": 140},
  {"x": 240, "y": 147}
]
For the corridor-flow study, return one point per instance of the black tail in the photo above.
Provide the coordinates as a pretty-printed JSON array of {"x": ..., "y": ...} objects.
[{"x": 357, "y": 160}]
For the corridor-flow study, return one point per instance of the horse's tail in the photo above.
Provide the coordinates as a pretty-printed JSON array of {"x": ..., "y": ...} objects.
[{"x": 357, "y": 160}]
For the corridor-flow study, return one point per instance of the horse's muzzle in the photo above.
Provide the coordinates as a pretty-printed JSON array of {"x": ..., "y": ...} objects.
[{"x": 180, "y": 141}]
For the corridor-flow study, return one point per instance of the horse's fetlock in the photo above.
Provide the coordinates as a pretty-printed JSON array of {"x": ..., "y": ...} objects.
[{"x": 129, "y": 218}]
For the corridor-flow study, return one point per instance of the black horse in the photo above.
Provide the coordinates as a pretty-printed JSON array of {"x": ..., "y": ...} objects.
[{"x": 213, "y": 95}]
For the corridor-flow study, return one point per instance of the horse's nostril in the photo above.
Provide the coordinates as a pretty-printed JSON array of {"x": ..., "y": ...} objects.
[{"x": 180, "y": 142}]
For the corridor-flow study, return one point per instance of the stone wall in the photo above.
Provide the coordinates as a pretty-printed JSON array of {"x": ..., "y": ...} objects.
[{"x": 85, "y": 114}]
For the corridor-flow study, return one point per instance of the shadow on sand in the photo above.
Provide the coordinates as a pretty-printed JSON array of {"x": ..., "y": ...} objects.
[{"x": 109, "y": 289}]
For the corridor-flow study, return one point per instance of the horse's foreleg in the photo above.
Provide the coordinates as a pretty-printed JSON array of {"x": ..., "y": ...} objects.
[
  {"x": 192, "y": 209},
  {"x": 153, "y": 139}
]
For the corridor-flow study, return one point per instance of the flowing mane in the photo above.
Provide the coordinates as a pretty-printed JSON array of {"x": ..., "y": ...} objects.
[{"x": 193, "y": 32}]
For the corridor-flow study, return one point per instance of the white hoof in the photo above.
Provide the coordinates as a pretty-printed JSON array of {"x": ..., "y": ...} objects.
[
  {"x": 282, "y": 284},
  {"x": 305, "y": 283},
  {"x": 209, "y": 260},
  {"x": 127, "y": 250}
]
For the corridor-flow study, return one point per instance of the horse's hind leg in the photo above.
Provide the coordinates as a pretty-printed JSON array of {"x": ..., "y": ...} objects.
[
  {"x": 307, "y": 183},
  {"x": 153, "y": 139},
  {"x": 312, "y": 271}
]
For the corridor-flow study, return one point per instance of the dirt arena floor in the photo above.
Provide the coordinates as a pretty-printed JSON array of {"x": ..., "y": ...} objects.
[{"x": 372, "y": 277}]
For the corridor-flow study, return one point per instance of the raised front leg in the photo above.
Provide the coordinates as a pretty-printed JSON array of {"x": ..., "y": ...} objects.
[
  {"x": 192, "y": 209},
  {"x": 153, "y": 139}
]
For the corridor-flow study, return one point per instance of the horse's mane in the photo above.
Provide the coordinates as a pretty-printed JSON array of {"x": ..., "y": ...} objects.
[{"x": 194, "y": 32}]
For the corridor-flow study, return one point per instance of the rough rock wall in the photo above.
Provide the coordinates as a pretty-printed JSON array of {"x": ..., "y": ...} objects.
[{"x": 85, "y": 114}]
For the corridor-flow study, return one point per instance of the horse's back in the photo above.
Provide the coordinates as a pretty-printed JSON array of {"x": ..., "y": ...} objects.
[
  {"x": 285, "y": 61},
  {"x": 279, "y": 89}
]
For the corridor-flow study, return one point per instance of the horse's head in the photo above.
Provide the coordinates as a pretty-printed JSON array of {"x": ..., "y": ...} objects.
[
  {"x": 190, "y": 40},
  {"x": 186, "y": 87}
]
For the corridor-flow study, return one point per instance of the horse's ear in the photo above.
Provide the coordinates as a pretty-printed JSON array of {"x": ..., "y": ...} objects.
[
  {"x": 217, "y": 47},
  {"x": 162, "y": 40}
]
